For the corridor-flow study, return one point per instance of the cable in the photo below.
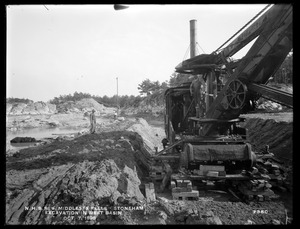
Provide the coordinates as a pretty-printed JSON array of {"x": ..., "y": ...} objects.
[
  {"x": 242, "y": 28},
  {"x": 186, "y": 52},
  {"x": 200, "y": 47},
  {"x": 265, "y": 30}
]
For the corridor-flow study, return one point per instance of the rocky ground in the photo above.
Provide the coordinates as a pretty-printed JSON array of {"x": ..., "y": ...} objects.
[
  {"x": 56, "y": 181},
  {"x": 72, "y": 114},
  {"x": 99, "y": 178}
]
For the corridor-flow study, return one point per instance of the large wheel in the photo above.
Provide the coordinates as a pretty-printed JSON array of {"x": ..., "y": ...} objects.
[{"x": 236, "y": 94}]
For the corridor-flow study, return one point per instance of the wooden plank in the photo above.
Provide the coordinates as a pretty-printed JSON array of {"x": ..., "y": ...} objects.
[
  {"x": 199, "y": 177},
  {"x": 212, "y": 173},
  {"x": 212, "y": 168},
  {"x": 184, "y": 195},
  {"x": 181, "y": 189}
]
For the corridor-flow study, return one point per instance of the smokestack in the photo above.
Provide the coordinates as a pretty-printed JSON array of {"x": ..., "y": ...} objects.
[{"x": 193, "y": 37}]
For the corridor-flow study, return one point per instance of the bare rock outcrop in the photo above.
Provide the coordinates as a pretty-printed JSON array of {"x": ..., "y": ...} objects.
[
  {"x": 8, "y": 107},
  {"x": 17, "y": 109},
  {"x": 30, "y": 108},
  {"x": 89, "y": 171},
  {"x": 84, "y": 184}
]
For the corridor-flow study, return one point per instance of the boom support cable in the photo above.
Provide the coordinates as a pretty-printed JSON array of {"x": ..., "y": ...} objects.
[
  {"x": 186, "y": 52},
  {"x": 257, "y": 15},
  {"x": 200, "y": 47}
]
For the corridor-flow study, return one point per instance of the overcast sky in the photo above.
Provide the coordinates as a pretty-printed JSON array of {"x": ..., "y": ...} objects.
[{"x": 56, "y": 50}]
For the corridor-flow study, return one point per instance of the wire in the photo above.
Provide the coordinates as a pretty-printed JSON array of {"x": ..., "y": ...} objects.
[
  {"x": 200, "y": 47},
  {"x": 266, "y": 30},
  {"x": 242, "y": 28},
  {"x": 197, "y": 50},
  {"x": 186, "y": 52}
]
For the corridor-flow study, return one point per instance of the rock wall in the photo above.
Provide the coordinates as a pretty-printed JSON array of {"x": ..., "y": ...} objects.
[
  {"x": 30, "y": 108},
  {"x": 85, "y": 184},
  {"x": 89, "y": 171},
  {"x": 84, "y": 105},
  {"x": 16, "y": 109}
]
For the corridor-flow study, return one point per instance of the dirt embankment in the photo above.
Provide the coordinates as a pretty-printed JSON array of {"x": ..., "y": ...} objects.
[
  {"x": 273, "y": 129},
  {"x": 96, "y": 171}
]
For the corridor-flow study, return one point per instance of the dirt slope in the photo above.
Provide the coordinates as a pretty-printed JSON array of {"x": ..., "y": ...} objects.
[
  {"x": 152, "y": 135},
  {"x": 273, "y": 129}
]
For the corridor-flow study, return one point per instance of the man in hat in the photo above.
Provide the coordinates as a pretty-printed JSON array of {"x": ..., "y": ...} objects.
[{"x": 93, "y": 122}]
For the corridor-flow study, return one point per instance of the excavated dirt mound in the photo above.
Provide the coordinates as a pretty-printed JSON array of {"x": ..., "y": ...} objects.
[
  {"x": 152, "y": 136},
  {"x": 84, "y": 105}
]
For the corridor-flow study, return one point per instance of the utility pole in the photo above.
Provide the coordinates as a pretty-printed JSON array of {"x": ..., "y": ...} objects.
[{"x": 117, "y": 96}]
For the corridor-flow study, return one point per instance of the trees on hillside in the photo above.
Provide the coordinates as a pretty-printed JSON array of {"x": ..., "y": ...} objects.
[
  {"x": 75, "y": 97},
  {"x": 122, "y": 101},
  {"x": 178, "y": 78},
  {"x": 148, "y": 87},
  {"x": 79, "y": 95},
  {"x": 152, "y": 91}
]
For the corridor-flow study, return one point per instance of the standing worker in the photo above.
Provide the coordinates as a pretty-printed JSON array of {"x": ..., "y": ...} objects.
[
  {"x": 93, "y": 122},
  {"x": 197, "y": 90}
]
